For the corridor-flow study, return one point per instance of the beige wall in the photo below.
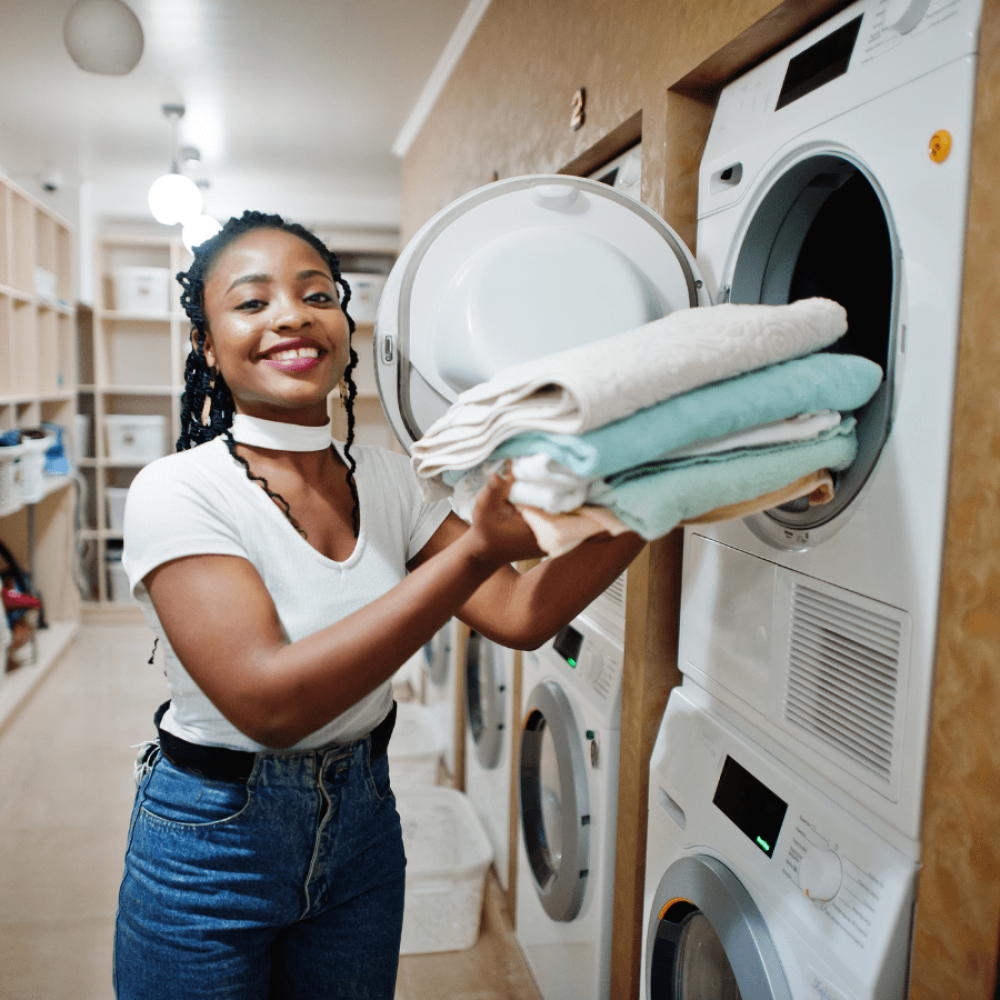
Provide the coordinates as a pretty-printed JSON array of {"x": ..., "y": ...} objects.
[{"x": 652, "y": 67}]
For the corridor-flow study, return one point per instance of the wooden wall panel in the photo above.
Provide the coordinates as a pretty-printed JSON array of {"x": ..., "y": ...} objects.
[{"x": 958, "y": 908}]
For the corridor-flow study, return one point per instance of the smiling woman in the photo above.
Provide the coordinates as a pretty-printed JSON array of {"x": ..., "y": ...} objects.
[{"x": 265, "y": 856}]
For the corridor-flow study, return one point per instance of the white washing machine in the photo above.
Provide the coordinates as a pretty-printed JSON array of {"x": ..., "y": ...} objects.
[
  {"x": 839, "y": 167},
  {"x": 758, "y": 885},
  {"x": 490, "y": 726},
  {"x": 441, "y": 675},
  {"x": 568, "y": 794}
]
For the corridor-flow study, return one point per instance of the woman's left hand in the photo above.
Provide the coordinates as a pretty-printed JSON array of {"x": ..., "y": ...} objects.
[{"x": 505, "y": 535}]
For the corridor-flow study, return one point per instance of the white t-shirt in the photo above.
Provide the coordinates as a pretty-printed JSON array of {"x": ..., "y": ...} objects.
[{"x": 200, "y": 501}]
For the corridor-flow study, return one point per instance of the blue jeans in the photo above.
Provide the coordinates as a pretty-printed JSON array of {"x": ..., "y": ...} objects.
[{"x": 288, "y": 886}]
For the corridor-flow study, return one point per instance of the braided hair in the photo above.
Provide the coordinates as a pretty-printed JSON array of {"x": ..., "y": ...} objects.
[{"x": 207, "y": 406}]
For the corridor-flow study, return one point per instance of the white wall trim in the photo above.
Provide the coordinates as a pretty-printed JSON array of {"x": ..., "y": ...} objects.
[{"x": 439, "y": 77}]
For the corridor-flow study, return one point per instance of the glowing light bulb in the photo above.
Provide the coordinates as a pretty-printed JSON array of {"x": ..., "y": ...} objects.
[{"x": 174, "y": 199}]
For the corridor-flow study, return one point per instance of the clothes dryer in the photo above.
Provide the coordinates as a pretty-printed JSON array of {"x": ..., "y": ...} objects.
[
  {"x": 758, "y": 885},
  {"x": 490, "y": 728},
  {"x": 839, "y": 167},
  {"x": 441, "y": 673},
  {"x": 568, "y": 793}
]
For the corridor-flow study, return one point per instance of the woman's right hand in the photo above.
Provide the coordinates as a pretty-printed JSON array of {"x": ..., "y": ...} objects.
[{"x": 499, "y": 532}]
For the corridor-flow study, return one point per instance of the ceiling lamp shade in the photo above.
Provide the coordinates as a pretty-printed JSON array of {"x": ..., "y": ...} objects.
[
  {"x": 199, "y": 229},
  {"x": 103, "y": 36},
  {"x": 174, "y": 198}
]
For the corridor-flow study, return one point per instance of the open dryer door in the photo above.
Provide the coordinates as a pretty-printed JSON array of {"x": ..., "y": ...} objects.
[{"x": 513, "y": 271}]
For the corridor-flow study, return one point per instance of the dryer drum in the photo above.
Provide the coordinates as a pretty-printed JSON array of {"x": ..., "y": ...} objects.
[{"x": 823, "y": 228}]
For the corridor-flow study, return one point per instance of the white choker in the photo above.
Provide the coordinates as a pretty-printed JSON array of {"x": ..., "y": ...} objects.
[{"x": 279, "y": 436}]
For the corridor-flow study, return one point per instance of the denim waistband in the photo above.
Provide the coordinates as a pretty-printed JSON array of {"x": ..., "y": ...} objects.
[{"x": 227, "y": 764}]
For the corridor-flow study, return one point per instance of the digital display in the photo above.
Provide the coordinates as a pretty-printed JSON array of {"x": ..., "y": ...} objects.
[
  {"x": 567, "y": 644},
  {"x": 750, "y": 804},
  {"x": 819, "y": 64}
]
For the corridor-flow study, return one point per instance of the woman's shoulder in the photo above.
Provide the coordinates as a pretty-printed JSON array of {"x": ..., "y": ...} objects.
[
  {"x": 180, "y": 468},
  {"x": 376, "y": 459}
]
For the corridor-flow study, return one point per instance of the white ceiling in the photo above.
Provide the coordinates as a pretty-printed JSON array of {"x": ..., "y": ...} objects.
[{"x": 291, "y": 92}]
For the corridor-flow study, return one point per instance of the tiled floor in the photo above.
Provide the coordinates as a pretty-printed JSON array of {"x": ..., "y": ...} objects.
[{"x": 65, "y": 796}]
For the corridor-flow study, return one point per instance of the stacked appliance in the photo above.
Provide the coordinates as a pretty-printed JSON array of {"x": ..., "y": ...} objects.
[{"x": 786, "y": 785}]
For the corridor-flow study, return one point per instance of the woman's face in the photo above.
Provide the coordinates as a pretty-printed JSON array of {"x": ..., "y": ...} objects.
[{"x": 275, "y": 329}]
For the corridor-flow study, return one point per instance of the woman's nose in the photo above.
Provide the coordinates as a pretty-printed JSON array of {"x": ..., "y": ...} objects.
[{"x": 289, "y": 313}]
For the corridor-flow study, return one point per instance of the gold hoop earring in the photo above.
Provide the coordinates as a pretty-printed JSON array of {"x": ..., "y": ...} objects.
[{"x": 345, "y": 391}]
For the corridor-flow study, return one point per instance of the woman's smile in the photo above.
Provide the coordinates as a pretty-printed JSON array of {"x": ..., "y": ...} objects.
[{"x": 293, "y": 356}]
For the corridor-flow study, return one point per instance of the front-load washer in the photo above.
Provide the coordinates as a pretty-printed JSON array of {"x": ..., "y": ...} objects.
[
  {"x": 758, "y": 885},
  {"x": 839, "y": 167},
  {"x": 568, "y": 796},
  {"x": 441, "y": 677},
  {"x": 490, "y": 725}
]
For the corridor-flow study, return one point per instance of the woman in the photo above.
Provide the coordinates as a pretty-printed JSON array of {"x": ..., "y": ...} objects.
[{"x": 288, "y": 578}]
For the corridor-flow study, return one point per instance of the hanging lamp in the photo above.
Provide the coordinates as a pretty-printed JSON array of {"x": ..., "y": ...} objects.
[
  {"x": 103, "y": 36},
  {"x": 174, "y": 198}
]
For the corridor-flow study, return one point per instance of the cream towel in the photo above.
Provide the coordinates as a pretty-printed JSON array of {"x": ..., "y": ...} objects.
[
  {"x": 557, "y": 534},
  {"x": 574, "y": 391}
]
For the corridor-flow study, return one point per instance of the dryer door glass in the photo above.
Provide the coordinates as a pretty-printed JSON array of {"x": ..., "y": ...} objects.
[
  {"x": 484, "y": 698},
  {"x": 689, "y": 961},
  {"x": 555, "y": 810},
  {"x": 823, "y": 228}
]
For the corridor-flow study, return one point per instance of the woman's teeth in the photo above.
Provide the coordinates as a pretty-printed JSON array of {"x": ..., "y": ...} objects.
[{"x": 301, "y": 352}]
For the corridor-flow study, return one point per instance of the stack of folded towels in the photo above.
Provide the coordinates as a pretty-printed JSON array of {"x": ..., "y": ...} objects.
[{"x": 704, "y": 415}]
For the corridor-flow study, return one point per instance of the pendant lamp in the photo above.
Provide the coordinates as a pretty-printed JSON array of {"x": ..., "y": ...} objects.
[
  {"x": 174, "y": 198},
  {"x": 103, "y": 36},
  {"x": 199, "y": 229}
]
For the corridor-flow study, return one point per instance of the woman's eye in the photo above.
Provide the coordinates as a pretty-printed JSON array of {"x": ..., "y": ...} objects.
[
  {"x": 251, "y": 304},
  {"x": 320, "y": 297}
]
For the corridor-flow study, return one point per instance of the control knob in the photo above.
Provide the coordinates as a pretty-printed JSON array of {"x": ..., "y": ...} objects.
[
  {"x": 904, "y": 15},
  {"x": 820, "y": 874}
]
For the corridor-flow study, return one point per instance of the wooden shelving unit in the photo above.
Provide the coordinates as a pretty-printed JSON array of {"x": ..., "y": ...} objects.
[
  {"x": 38, "y": 384},
  {"x": 131, "y": 365}
]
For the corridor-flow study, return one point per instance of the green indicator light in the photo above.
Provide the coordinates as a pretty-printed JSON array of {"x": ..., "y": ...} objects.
[
  {"x": 763, "y": 843},
  {"x": 571, "y": 662}
]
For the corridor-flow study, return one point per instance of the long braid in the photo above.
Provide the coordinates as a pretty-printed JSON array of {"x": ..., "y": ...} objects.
[{"x": 201, "y": 384}]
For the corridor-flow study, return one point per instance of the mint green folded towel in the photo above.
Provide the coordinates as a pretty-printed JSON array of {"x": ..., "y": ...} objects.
[
  {"x": 841, "y": 382},
  {"x": 654, "y": 498}
]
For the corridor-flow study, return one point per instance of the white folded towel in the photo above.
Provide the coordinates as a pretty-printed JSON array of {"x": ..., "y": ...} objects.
[{"x": 574, "y": 391}]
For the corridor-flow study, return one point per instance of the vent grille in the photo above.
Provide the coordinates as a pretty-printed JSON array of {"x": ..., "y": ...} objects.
[
  {"x": 843, "y": 678},
  {"x": 608, "y": 610}
]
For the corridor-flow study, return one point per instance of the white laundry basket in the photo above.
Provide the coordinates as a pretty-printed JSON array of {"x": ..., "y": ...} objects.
[
  {"x": 416, "y": 748},
  {"x": 447, "y": 856}
]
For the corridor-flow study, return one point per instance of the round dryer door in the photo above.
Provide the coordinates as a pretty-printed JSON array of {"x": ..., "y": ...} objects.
[
  {"x": 485, "y": 697},
  {"x": 514, "y": 271},
  {"x": 803, "y": 240},
  {"x": 555, "y": 805},
  {"x": 707, "y": 940},
  {"x": 437, "y": 655}
]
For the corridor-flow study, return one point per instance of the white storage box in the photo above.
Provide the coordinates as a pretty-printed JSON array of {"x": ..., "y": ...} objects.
[
  {"x": 447, "y": 856},
  {"x": 115, "y": 496},
  {"x": 135, "y": 438},
  {"x": 142, "y": 289},
  {"x": 10, "y": 485},
  {"x": 416, "y": 747},
  {"x": 118, "y": 589},
  {"x": 31, "y": 471},
  {"x": 366, "y": 289}
]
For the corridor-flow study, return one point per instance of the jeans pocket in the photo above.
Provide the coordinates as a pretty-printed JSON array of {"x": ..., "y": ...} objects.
[
  {"x": 378, "y": 777},
  {"x": 186, "y": 800}
]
